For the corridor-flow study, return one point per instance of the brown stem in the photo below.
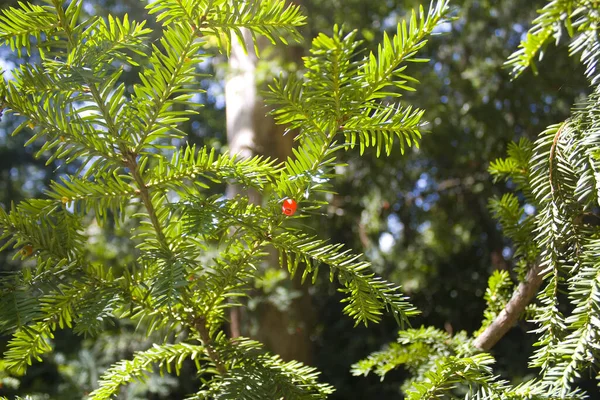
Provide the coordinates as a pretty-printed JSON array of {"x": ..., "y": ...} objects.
[
  {"x": 513, "y": 309},
  {"x": 144, "y": 193},
  {"x": 205, "y": 336}
]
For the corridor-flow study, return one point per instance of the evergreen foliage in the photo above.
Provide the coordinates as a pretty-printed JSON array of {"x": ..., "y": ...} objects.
[
  {"x": 579, "y": 18},
  {"x": 552, "y": 219},
  {"x": 123, "y": 140}
]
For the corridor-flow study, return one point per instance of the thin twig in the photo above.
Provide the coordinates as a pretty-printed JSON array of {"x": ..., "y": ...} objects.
[
  {"x": 553, "y": 155},
  {"x": 208, "y": 343},
  {"x": 144, "y": 194}
]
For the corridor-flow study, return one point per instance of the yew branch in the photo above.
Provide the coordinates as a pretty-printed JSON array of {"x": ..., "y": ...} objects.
[{"x": 513, "y": 309}]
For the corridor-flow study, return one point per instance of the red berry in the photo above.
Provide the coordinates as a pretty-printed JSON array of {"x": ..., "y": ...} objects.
[
  {"x": 289, "y": 207},
  {"x": 27, "y": 250}
]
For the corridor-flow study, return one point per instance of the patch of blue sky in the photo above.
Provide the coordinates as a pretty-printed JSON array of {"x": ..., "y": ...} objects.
[{"x": 5, "y": 64}]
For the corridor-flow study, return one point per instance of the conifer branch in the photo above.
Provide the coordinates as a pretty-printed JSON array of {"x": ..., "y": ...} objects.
[
  {"x": 410, "y": 37},
  {"x": 166, "y": 356},
  {"x": 522, "y": 296},
  {"x": 28, "y": 343},
  {"x": 62, "y": 20},
  {"x": 168, "y": 84},
  {"x": 231, "y": 275},
  {"x": 256, "y": 374}
]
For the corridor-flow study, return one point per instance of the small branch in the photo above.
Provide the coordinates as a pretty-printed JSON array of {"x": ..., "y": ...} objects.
[
  {"x": 62, "y": 18},
  {"x": 514, "y": 308},
  {"x": 207, "y": 341}
]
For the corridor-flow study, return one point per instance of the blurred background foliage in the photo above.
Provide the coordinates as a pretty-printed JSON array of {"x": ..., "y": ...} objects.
[{"x": 421, "y": 217}]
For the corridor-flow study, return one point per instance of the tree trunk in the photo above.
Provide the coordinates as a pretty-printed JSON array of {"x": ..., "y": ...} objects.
[{"x": 250, "y": 132}]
